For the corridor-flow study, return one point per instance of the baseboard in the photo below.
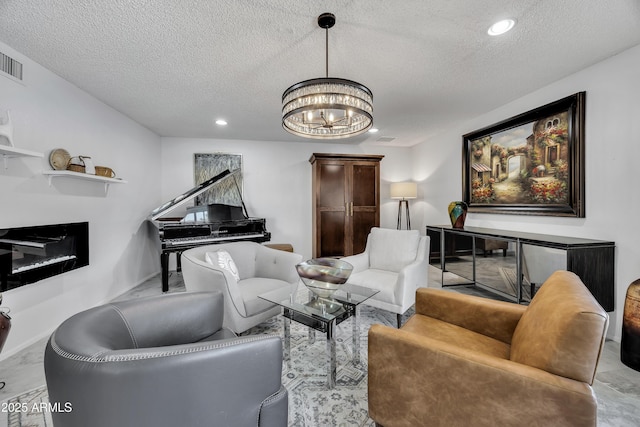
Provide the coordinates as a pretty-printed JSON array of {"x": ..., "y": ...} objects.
[
  {"x": 136, "y": 284},
  {"x": 47, "y": 333},
  {"x": 44, "y": 335}
]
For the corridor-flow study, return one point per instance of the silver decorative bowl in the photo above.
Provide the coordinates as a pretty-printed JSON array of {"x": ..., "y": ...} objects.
[{"x": 324, "y": 276}]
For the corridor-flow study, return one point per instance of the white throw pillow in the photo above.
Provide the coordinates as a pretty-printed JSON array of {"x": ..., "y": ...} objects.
[{"x": 223, "y": 260}]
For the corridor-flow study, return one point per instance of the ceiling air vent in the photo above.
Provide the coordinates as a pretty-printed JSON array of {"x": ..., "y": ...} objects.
[
  {"x": 385, "y": 139},
  {"x": 10, "y": 66}
]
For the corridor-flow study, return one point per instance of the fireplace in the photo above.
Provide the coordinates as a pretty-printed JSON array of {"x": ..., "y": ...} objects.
[{"x": 30, "y": 254}]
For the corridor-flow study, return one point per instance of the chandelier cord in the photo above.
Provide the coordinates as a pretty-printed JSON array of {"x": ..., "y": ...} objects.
[{"x": 326, "y": 50}]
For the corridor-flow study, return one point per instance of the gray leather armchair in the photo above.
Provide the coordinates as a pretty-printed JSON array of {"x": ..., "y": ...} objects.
[{"x": 163, "y": 361}]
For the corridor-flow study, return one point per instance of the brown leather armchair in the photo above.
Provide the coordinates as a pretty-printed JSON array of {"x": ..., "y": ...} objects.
[{"x": 463, "y": 360}]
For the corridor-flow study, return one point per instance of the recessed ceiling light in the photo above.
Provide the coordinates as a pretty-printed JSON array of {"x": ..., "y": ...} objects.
[
  {"x": 221, "y": 122},
  {"x": 373, "y": 130},
  {"x": 501, "y": 27}
]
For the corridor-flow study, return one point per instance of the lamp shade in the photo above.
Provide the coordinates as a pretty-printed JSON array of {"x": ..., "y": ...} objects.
[{"x": 404, "y": 190}]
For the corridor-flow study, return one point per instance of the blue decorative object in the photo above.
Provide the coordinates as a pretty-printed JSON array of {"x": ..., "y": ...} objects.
[{"x": 457, "y": 213}]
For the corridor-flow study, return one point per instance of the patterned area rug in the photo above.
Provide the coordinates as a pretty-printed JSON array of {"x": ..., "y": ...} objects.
[
  {"x": 28, "y": 409},
  {"x": 311, "y": 404}
]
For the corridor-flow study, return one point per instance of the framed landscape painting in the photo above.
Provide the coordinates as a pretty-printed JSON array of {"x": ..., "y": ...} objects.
[{"x": 530, "y": 164}]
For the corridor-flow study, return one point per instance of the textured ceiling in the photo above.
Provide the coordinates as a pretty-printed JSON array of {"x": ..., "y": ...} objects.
[{"x": 176, "y": 65}]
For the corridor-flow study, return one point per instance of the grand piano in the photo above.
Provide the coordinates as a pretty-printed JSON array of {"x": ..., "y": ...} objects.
[{"x": 204, "y": 224}]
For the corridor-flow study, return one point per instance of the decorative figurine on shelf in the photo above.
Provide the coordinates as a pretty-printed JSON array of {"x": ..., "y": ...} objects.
[
  {"x": 6, "y": 130},
  {"x": 457, "y": 213}
]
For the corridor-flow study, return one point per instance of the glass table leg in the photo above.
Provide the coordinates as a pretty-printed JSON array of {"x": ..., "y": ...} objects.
[
  {"x": 356, "y": 336},
  {"x": 287, "y": 339},
  {"x": 331, "y": 355}
]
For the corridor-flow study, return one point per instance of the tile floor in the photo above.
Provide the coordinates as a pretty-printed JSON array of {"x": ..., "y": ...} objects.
[{"x": 617, "y": 387}]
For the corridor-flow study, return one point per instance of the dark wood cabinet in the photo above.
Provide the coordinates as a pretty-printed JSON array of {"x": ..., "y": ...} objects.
[{"x": 346, "y": 202}]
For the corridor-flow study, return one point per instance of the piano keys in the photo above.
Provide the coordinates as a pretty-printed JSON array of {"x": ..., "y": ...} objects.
[{"x": 203, "y": 225}]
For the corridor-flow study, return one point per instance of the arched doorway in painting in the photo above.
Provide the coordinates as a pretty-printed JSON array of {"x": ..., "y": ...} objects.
[
  {"x": 552, "y": 153},
  {"x": 515, "y": 164}
]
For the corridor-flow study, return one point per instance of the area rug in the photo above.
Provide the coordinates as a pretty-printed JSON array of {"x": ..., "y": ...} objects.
[
  {"x": 311, "y": 404},
  {"x": 28, "y": 409}
]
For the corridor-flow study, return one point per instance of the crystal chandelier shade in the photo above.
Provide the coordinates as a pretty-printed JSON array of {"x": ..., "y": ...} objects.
[{"x": 327, "y": 108}]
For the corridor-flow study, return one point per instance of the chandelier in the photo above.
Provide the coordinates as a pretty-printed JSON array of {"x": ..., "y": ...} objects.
[{"x": 327, "y": 108}]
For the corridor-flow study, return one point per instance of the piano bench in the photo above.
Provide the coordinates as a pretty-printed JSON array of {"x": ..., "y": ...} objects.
[{"x": 280, "y": 246}]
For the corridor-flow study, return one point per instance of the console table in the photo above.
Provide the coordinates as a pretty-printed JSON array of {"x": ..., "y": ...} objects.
[{"x": 592, "y": 260}]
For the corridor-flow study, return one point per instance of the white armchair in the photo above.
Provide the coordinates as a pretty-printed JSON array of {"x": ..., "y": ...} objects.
[
  {"x": 258, "y": 269},
  {"x": 394, "y": 262}
]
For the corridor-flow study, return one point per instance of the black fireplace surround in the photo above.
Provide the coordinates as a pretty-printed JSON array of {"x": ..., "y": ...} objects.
[{"x": 30, "y": 254}]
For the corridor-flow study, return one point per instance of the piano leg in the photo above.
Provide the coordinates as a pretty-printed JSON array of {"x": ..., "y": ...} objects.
[
  {"x": 164, "y": 264},
  {"x": 179, "y": 262}
]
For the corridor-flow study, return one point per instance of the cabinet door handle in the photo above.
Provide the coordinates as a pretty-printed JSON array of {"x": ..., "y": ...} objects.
[{"x": 348, "y": 208}]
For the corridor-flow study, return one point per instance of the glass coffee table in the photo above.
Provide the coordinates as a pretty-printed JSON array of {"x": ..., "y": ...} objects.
[{"x": 321, "y": 314}]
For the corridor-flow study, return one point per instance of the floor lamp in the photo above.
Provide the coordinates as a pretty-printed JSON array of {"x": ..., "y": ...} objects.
[{"x": 404, "y": 191}]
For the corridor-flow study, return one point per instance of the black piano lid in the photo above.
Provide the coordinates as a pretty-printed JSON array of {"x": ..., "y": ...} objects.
[{"x": 190, "y": 195}]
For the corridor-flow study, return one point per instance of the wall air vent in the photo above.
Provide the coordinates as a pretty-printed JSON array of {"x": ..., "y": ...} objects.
[{"x": 10, "y": 66}]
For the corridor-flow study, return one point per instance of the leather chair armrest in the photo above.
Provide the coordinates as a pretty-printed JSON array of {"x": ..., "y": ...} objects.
[
  {"x": 275, "y": 410},
  {"x": 408, "y": 374},
  {"x": 158, "y": 321},
  {"x": 226, "y": 382},
  {"x": 209, "y": 272},
  {"x": 201, "y": 276},
  {"x": 496, "y": 319},
  {"x": 186, "y": 318}
]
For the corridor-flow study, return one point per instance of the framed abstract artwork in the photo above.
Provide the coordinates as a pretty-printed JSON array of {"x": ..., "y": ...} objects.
[
  {"x": 531, "y": 164},
  {"x": 227, "y": 191}
]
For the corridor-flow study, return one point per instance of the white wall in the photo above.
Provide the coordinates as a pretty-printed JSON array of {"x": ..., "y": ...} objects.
[
  {"x": 277, "y": 180},
  {"x": 50, "y": 113},
  {"x": 612, "y": 154}
]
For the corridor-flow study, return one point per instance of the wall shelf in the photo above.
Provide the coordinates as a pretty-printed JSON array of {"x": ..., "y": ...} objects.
[
  {"x": 83, "y": 176},
  {"x": 10, "y": 152}
]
